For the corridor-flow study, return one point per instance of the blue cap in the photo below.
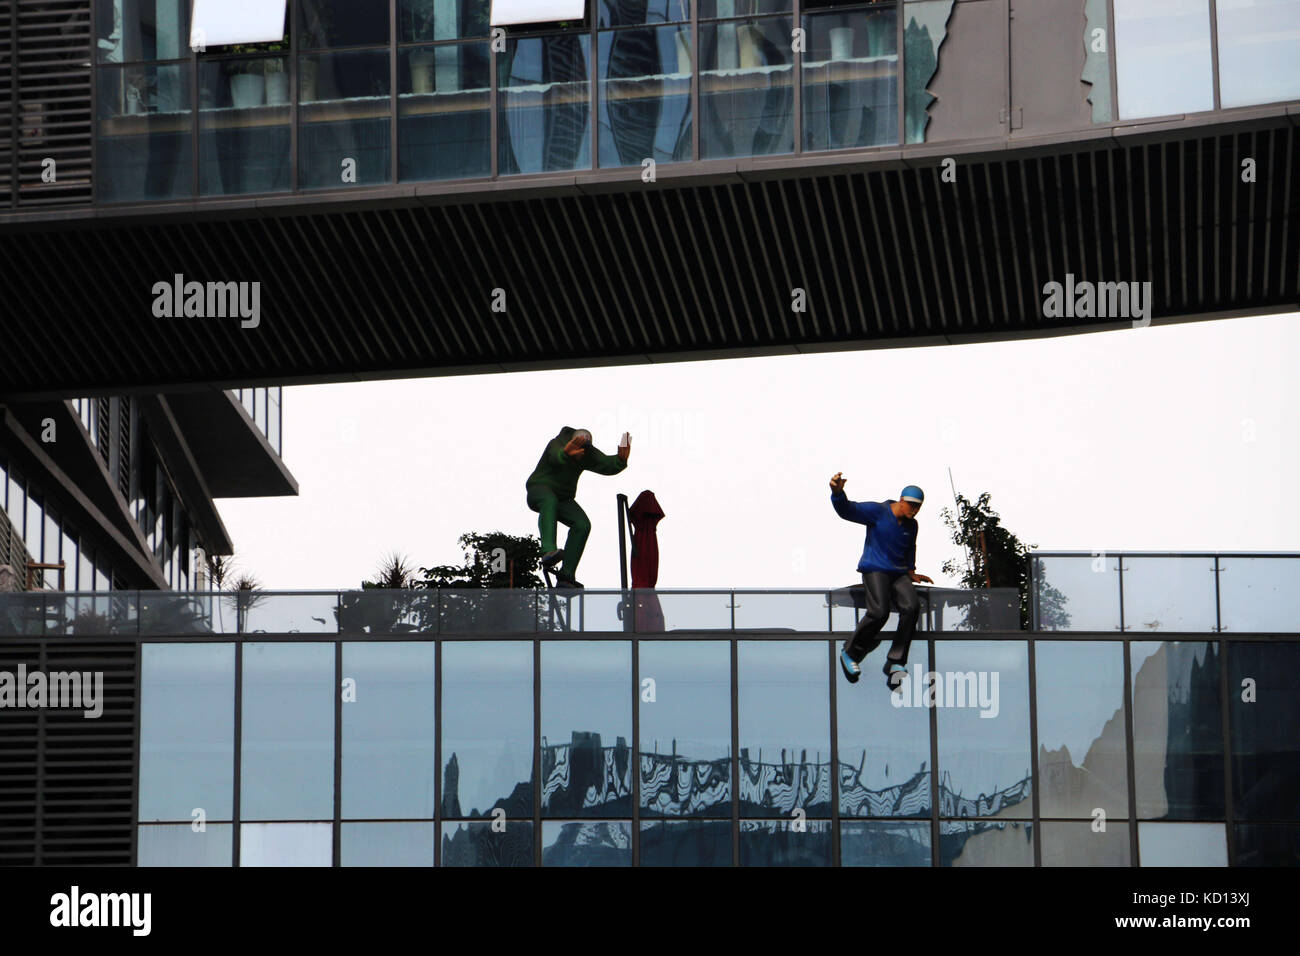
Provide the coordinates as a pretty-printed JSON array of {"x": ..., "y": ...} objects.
[{"x": 913, "y": 494}]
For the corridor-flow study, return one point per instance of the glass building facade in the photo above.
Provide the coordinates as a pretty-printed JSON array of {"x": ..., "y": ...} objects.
[{"x": 346, "y": 99}]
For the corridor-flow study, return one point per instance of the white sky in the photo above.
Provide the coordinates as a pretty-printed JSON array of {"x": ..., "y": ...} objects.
[{"x": 1184, "y": 437}]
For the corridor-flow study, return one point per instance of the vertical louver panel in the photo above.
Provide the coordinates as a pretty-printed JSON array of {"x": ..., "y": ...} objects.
[
  {"x": 104, "y": 433},
  {"x": 124, "y": 448},
  {"x": 53, "y": 121},
  {"x": 8, "y": 110},
  {"x": 19, "y": 763}
]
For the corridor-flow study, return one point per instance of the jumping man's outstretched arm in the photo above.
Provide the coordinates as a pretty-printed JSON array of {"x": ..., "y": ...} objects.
[{"x": 861, "y": 512}]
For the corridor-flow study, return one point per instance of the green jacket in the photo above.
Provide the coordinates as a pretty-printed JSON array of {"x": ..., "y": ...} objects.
[{"x": 560, "y": 472}]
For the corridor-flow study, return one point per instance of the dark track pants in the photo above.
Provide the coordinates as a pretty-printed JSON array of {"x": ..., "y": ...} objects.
[{"x": 884, "y": 589}]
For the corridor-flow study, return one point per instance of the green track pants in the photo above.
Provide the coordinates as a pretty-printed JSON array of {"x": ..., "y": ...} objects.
[{"x": 568, "y": 512}]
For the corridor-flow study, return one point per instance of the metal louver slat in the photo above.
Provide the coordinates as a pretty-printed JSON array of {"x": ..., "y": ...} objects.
[
  {"x": 50, "y": 99},
  {"x": 7, "y": 106}
]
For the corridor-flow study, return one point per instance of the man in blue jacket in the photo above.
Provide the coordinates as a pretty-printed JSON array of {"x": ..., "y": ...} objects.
[{"x": 888, "y": 569}]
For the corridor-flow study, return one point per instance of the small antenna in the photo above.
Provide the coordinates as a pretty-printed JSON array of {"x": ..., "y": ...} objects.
[{"x": 970, "y": 571}]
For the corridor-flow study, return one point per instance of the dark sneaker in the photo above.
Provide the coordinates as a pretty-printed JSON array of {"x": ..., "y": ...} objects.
[
  {"x": 894, "y": 674},
  {"x": 562, "y": 580},
  {"x": 850, "y": 667},
  {"x": 551, "y": 558}
]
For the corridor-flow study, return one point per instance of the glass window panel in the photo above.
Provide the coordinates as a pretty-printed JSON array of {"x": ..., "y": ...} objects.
[
  {"x": 1259, "y": 594},
  {"x": 1082, "y": 755},
  {"x": 477, "y": 844},
  {"x": 243, "y": 126},
  {"x": 35, "y": 524},
  {"x": 179, "y": 844},
  {"x": 645, "y": 96},
  {"x": 385, "y": 844},
  {"x": 442, "y": 19},
  {"x": 850, "y": 79},
  {"x": 286, "y": 844},
  {"x": 746, "y": 94},
  {"x": 685, "y": 759},
  {"x": 273, "y": 423},
  {"x": 925, "y": 28},
  {"x": 1163, "y": 57},
  {"x": 103, "y": 575},
  {"x": 685, "y": 843},
  {"x": 784, "y": 706},
  {"x": 487, "y": 729},
  {"x": 288, "y": 731},
  {"x": 327, "y": 23},
  {"x": 444, "y": 112},
  {"x": 586, "y": 728},
  {"x": 1078, "y": 844},
  {"x": 794, "y": 611},
  {"x": 1077, "y": 593},
  {"x": 1259, "y": 45},
  {"x": 985, "y": 843},
  {"x": 1169, "y": 594},
  {"x": 884, "y": 843},
  {"x": 884, "y": 750},
  {"x": 127, "y": 31},
  {"x": 777, "y": 843},
  {"x": 222, "y": 23},
  {"x": 343, "y": 119},
  {"x": 187, "y": 731},
  {"x": 983, "y": 715},
  {"x": 616, "y": 13},
  {"x": 1262, "y": 845},
  {"x": 312, "y": 613},
  {"x": 545, "y": 110},
  {"x": 692, "y": 610},
  {"x": 16, "y": 503},
  {"x": 50, "y": 548},
  {"x": 1182, "y": 844},
  {"x": 586, "y": 844},
  {"x": 1177, "y": 729},
  {"x": 1265, "y": 730},
  {"x": 1096, "y": 68},
  {"x": 70, "y": 558},
  {"x": 710, "y": 9},
  {"x": 388, "y": 731},
  {"x": 143, "y": 147},
  {"x": 86, "y": 568}
]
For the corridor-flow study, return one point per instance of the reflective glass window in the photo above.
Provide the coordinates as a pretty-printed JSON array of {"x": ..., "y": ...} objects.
[
  {"x": 386, "y": 844},
  {"x": 573, "y": 843},
  {"x": 1257, "y": 844},
  {"x": 1077, "y": 593},
  {"x": 850, "y": 78},
  {"x": 784, "y": 707},
  {"x": 388, "y": 730},
  {"x": 685, "y": 843},
  {"x": 288, "y": 732},
  {"x": 127, "y": 31},
  {"x": 884, "y": 843},
  {"x": 479, "y": 844},
  {"x": 1169, "y": 594},
  {"x": 143, "y": 149},
  {"x": 444, "y": 113},
  {"x": 286, "y": 844},
  {"x": 586, "y": 729},
  {"x": 330, "y": 23},
  {"x": 645, "y": 96},
  {"x": 343, "y": 132},
  {"x": 1259, "y": 594},
  {"x": 544, "y": 96},
  {"x": 621, "y": 13},
  {"x": 487, "y": 729},
  {"x": 685, "y": 711},
  {"x": 779, "y": 843},
  {"x": 1264, "y": 695},
  {"x": 1162, "y": 50},
  {"x": 243, "y": 125},
  {"x": 442, "y": 19},
  {"x": 179, "y": 844},
  {"x": 1182, "y": 844},
  {"x": 1259, "y": 45},
  {"x": 1081, "y": 844},
  {"x": 985, "y": 843},
  {"x": 187, "y": 731},
  {"x": 746, "y": 88}
]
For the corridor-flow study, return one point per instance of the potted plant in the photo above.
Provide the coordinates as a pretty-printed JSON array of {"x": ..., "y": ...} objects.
[
  {"x": 247, "y": 78},
  {"x": 277, "y": 73}
]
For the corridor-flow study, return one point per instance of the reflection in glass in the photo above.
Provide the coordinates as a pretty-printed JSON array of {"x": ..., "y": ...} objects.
[
  {"x": 850, "y": 79},
  {"x": 1082, "y": 756},
  {"x": 1259, "y": 45},
  {"x": 343, "y": 119},
  {"x": 143, "y": 134},
  {"x": 797, "y": 611},
  {"x": 127, "y": 31},
  {"x": 1265, "y": 730},
  {"x": 1096, "y": 68},
  {"x": 1259, "y": 594},
  {"x": 1177, "y": 730},
  {"x": 288, "y": 731},
  {"x": 187, "y": 730},
  {"x": 884, "y": 750},
  {"x": 327, "y": 23},
  {"x": 685, "y": 758},
  {"x": 386, "y": 844},
  {"x": 983, "y": 716},
  {"x": 985, "y": 843},
  {"x": 746, "y": 95},
  {"x": 775, "y": 843},
  {"x": 477, "y": 844},
  {"x": 1163, "y": 57},
  {"x": 925, "y": 27},
  {"x": 784, "y": 728},
  {"x": 544, "y": 92},
  {"x": 627, "y": 13},
  {"x": 487, "y": 729},
  {"x": 685, "y": 843},
  {"x": 441, "y": 19},
  {"x": 243, "y": 126},
  {"x": 178, "y": 844},
  {"x": 709, "y": 9},
  {"x": 586, "y": 728},
  {"x": 388, "y": 731},
  {"x": 645, "y": 96},
  {"x": 1077, "y": 593},
  {"x": 1258, "y": 844},
  {"x": 444, "y": 112},
  {"x": 586, "y": 844},
  {"x": 1078, "y": 844},
  {"x": 1182, "y": 844},
  {"x": 884, "y": 843},
  {"x": 1169, "y": 594},
  {"x": 286, "y": 844}
]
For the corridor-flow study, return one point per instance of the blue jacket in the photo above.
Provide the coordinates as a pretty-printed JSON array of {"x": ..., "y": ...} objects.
[{"x": 891, "y": 542}]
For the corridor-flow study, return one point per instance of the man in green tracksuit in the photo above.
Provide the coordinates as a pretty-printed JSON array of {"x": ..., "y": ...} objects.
[{"x": 551, "y": 489}]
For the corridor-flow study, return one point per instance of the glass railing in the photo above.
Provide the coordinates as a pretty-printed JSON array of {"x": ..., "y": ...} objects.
[
  {"x": 486, "y": 611},
  {"x": 1201, "y": 592}
]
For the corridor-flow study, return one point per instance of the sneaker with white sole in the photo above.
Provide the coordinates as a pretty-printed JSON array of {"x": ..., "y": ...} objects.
[{"x": 850, "y": 667}]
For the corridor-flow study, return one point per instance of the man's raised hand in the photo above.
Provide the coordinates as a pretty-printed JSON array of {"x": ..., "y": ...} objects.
[
  {"x": 625, "y": 446},
  {"x": 837, "y": 482},
  {"x": 577, "y": 446}
]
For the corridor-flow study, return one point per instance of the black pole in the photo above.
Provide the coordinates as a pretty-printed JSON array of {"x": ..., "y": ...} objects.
[{"x": 622, "y": 541}]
